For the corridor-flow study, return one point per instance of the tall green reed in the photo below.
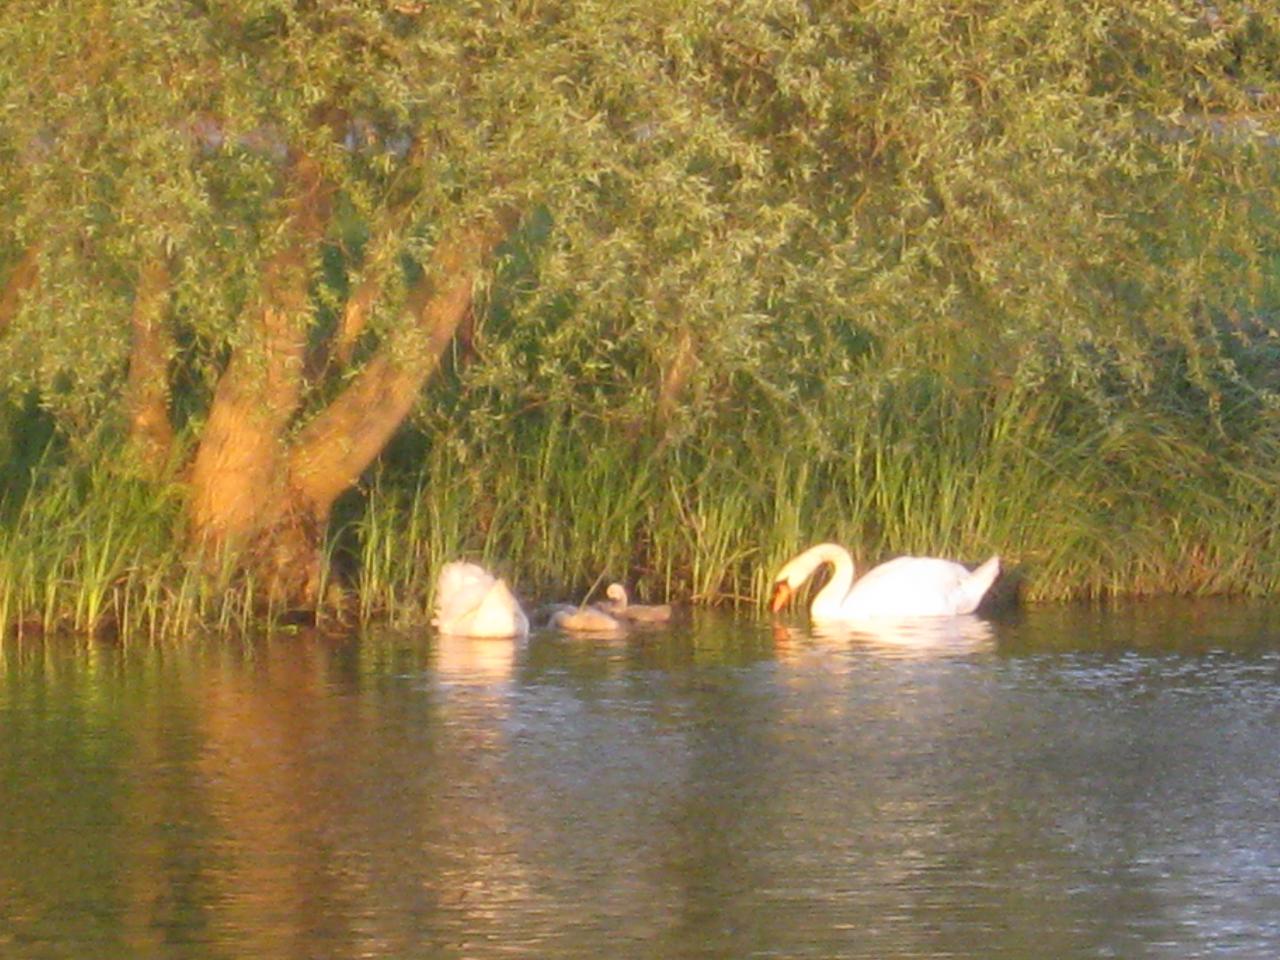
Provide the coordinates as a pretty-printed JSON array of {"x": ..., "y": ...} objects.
[{"x": 1143, "y": 498}]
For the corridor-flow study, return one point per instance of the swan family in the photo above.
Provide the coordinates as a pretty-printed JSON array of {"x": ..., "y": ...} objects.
[{"x": 472, "y": 602}]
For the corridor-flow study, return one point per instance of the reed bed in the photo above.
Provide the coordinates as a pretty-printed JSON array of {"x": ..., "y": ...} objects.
[
  {"x": 1143, "y": 502},
  {"x": 1148, "y": 500},
  {"x": 88, "y": 550}
]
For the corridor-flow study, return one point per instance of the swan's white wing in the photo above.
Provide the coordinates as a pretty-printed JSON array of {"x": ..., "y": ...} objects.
[
  {"x": 470, "y": 601},
  {"x": 917, "y": 587},
  {"x": 498, "y": 614},
  {"x": 459, "y": 590}
]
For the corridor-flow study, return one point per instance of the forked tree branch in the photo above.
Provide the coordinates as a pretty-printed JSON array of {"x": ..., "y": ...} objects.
[
  {"x": 330, "y": 454},
  {"x": 237, "y": 467},
  {"x": 381, "y": 262},
  {"x": 285, "y": 310}
]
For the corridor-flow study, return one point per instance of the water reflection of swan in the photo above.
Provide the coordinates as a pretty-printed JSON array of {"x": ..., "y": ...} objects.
[
  {"x": 472, "y": 660},
  {"x": 915, "y": 636},
  {"x": 903, "y": 637},
  {"x": 471, "y": 602},
  {"x": 905, "y": 587}
]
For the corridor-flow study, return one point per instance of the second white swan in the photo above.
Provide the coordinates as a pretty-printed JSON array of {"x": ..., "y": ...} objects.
[
  {"x": 900, "y": 588},
  {"x": 472, "y": 602}
]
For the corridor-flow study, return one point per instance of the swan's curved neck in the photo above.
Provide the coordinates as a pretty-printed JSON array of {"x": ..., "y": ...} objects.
[{"x": 831, "y": 597}]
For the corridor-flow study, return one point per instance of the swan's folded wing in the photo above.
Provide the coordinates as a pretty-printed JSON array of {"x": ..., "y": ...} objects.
[
  {"x": 918, "y": 587},
  {"x": 497, "y": 614},
  {"x": 460, "y": 589}
]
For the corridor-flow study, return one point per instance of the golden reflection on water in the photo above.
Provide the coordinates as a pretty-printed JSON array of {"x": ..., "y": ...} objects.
[
  {"x": 897, "y": 791},
  {"x": 320, "y": 820},
  {"x": 255, "y": 795},
  {"x": 474, "y": 659}
]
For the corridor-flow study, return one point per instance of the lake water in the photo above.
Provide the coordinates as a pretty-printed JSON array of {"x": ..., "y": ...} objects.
[{"x": 1067, "y": 783}]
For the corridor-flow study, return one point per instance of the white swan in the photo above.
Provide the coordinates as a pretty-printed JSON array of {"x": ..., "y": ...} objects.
[
  {"x": 620, "y": 605},
  {"x": 471, "y": 602},
  {"x": 584, "y": 620},
  {"x": 905, "y": 587}
]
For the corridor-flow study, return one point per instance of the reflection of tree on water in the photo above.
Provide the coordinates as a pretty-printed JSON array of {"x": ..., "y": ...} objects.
[
  {"x": 95, "y": 751},
  {"x": 690, "y": 795},
  {"x": 271, "y": 798},
  {"x": 371, "y": 816},
  {"x": 276, "y": 741}
]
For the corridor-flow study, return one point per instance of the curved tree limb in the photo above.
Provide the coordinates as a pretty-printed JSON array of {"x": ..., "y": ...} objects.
[
  {"x": 330, "y": 454},
  {"x": 236, "y": 477}
]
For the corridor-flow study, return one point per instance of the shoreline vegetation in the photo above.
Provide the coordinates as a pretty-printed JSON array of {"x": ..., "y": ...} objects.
[
  {"x": 1158, "y": 500},
  {"x": 300, "y": 300}
]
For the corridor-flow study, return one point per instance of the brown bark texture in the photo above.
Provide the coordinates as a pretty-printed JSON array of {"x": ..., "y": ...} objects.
[
  {"x": 338, "y": 444},
  {"x": 263, "y": 489},
  {"x": 259, "y": 487},
  {"x": 238, "y": 494},
  {"x": 147, "y": 386}
]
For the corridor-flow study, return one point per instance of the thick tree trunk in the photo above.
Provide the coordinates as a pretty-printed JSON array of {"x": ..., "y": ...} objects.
[
  {"x": 239, "y": 495},
  {"x": 267, "y": 497}
]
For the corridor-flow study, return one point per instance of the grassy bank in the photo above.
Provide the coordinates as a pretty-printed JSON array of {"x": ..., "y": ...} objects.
[
  {"x": 639, "y": 291},
  {"x": 1172, "y": 496}
]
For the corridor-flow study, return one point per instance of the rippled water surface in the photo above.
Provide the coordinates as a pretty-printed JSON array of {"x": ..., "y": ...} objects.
[{"x": 1068, "y": 783}]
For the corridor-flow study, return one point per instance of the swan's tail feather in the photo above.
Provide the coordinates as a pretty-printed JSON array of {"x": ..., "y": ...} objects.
[{"x": 974, "y": 587}]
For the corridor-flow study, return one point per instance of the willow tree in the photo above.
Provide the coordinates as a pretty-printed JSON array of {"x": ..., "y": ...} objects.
[{"x": 250, "y": 232}]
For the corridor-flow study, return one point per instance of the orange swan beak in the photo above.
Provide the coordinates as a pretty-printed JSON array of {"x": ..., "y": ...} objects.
[{"x": 781, "y": 595}]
